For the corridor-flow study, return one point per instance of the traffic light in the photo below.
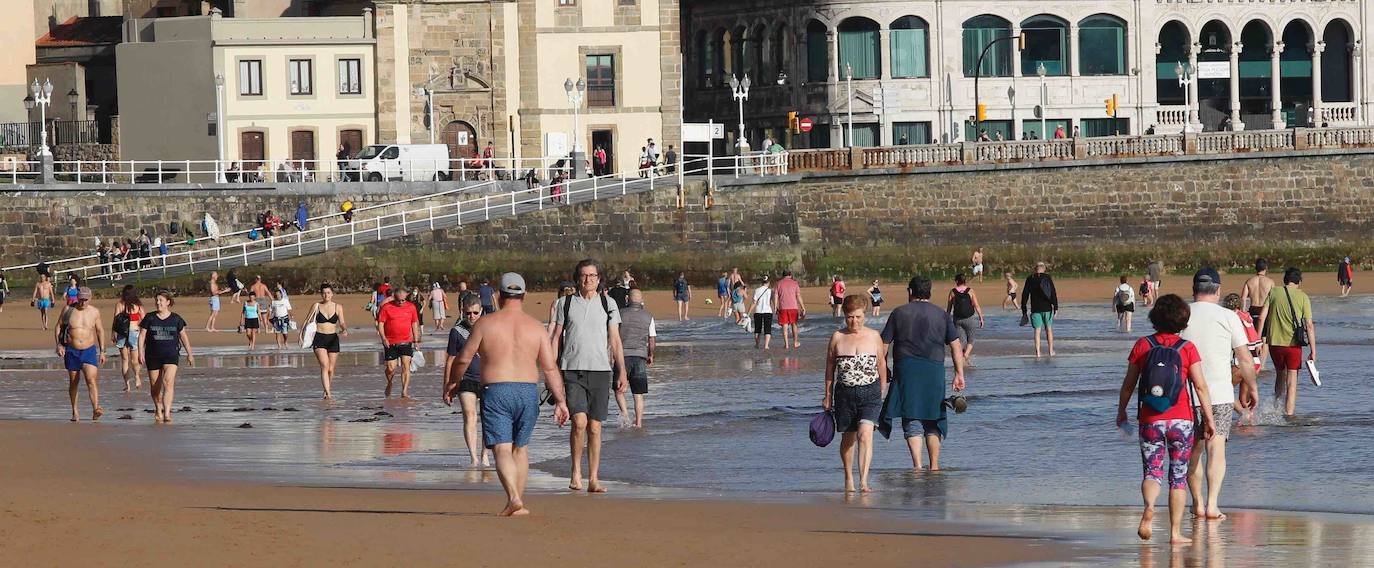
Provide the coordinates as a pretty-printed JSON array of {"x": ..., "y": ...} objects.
[
  {"x": 792, "y": 122},
  {"x": 982, "y": 112},
  {"x": 1111, "y": 106}
]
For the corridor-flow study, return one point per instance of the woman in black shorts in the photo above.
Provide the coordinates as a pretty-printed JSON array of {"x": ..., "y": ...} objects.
[
  {"x": 328, "y": 318},
  {"x": 159, "y": 347}
]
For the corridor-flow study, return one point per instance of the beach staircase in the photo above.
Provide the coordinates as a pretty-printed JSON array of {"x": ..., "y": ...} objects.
[{"x": 377, "y": 223}]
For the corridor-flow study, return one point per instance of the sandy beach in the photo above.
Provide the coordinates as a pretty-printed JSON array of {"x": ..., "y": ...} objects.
[
  {"x": 19, "y": 322},
  {"x": 90, "y": 505}
]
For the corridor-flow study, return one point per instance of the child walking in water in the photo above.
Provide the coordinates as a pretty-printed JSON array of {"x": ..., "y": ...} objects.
[
  {"x": 1009, "y": 302},
  {"x": 1168, "y": 370}
]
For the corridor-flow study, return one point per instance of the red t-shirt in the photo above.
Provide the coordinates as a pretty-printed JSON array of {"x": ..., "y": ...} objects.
[
  {"x": 398, "y": 321},
  {"x": 383, "y": 289},
  {"x": 1181, "y": 410}
]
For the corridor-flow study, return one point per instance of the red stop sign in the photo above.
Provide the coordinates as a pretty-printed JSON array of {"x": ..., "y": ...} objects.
[{"x": 804, "y": 125}]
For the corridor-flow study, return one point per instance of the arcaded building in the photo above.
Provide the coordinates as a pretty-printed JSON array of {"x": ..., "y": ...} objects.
[{"x": 906, "y": 71}]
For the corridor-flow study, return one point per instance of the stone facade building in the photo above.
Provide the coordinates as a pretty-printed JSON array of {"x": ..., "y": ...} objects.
[
  {"x": 911, "y": 67},
  {"x": 497, "y": 71}
]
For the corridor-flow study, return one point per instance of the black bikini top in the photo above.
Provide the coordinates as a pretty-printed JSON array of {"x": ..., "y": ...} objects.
[{"x": 319, "y": 317}]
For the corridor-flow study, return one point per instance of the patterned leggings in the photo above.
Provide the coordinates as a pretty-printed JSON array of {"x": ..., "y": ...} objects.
[{"x": 1177, "y": 437}]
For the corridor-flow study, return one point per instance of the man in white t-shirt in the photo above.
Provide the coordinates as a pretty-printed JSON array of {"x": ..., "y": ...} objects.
[{"x": 1221, "y": 341}]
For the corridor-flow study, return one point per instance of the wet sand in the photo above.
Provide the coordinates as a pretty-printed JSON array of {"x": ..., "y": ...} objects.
[
  {"x": 20, "y": 328},
  {"x": 90, "y": 505}
]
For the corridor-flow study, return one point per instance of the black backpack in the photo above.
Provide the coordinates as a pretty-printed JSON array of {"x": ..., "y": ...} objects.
[
  {"x": 121, "y": 324},
  {"x": 963, "y": 304},
  {"x": 175, "y": 229},
  {"x": 567, "y": 311}
]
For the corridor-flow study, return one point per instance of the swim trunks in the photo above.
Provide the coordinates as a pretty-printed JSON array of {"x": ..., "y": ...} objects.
[
  {"x": 509, "y": 412},
  {"x": 43, "y": 303},
  {"x": 156, "y": 362},
  {"x": 589, "y": 393},
  {"x": 214, "y": 303},
  {"x": 1223, "y": 415},
  {"x": 75, "y": 358},
  {"x": 397, "y": 350},
  {"x": 1041, "y": 319},
  {"x": 964, "y": 329},
  {"x": 977, "y": 269},
  {"x": 1286, "y": 358},
  {"x": 281, "y": 325},
  {"x": 469, "y": 385},
  {"x": 637, "y": 372},
  {"x": 788, "y": 317}
]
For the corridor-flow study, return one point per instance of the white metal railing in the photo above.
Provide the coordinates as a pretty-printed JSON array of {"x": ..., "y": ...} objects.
[
  {"x": 294, "y": 170},
  {"x": 552, "y": 195}
]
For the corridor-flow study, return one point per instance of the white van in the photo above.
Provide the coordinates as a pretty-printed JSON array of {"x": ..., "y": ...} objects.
[{"x": 401, "y": 162}]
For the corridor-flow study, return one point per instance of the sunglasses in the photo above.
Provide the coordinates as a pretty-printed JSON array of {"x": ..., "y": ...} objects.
[{"x": 472, "y": 313}]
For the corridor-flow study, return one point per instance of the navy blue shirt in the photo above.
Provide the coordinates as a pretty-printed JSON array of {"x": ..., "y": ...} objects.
[
  {"x": 919, "y": 329},
  {"x": 485, "y": 294},
  {"x": 457, "y": 338}
]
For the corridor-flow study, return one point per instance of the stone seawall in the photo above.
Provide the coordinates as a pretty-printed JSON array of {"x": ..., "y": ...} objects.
[{"x": 1304, "y": 209}]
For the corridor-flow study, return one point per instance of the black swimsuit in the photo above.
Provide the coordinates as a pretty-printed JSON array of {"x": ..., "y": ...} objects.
[{"x": 326, "y": 341}]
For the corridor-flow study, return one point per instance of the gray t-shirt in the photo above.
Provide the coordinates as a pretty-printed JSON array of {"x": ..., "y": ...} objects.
[
  {"x": 585, "y": 343},
  {"x": 919, "y": 329}
]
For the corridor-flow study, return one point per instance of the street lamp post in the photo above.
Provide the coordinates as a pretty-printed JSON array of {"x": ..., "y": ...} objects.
[
  {"x": 219, "y": 128},
  {"x": 575, "y": 92},
  {"x": 42, "y": 97},
  {"x": 740, "y": 91},
  {"x": 1044, "y": 99},
  {"x": 1184, "y": 71}
]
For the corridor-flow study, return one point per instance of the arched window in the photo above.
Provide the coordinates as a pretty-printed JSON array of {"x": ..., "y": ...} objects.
[
  {"x": 757, "y": 66},
  {"x": 778, "y": 46},
  {"x": 859, "y": 49},
  {"x": 816, "y": 68},
  {"x": 716, "y": 49},
  {"x": 1102, "y": 45},
  {"x": 737, "y": 41},
  {"x": 908, "y": 42},
  {"x": 703, "y": 57},
  {"x": 980, "y": 31},
  {"x": 1047, "y": 43},
  {"x": 1337, "y": 62}
]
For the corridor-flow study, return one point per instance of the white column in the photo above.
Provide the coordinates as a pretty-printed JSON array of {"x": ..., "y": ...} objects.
[
  {"x": 1190, "y": 93},
  {"x": 1356, "y": 87},
  {"x": 1275, "y": 102},
  {"x": 833, "y": 61},
  {"x": 885, "y": 53},
  {"x": 1236, "y": 124},
  {"x": 1317, "y": 49},
  {"x": 1073, "y": 49},
  {"x": 1015, "y": 52}
]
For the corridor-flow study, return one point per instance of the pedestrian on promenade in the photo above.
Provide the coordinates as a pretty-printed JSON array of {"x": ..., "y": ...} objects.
[
  {"x": 788, "y": 300},
  {"x": 1168, "y": 371},
  {"x": 1123, "y": 303},
  {"x": 486, "y": 295},
  {"x": 398, "y": 326},
  {"x": 621, "y": 291},
  {"x": 281, "y": 317},
  {"x": 837, "y": 294},
  {"x": 514, "y": 350},
  {"x": 587, "y": 338},
  {"x": 670, "y": 160},
  {"x": 638, "y": 333},
  {"x": 250, "y": 320},
  {"x": 128, "y": 314},
  {"x": 963, "y": 306},
  {"x": 919, "y": 333},
  {"x": 73, "y": 288},
  {"x": 682, "y": 295},
  {"x": 761, "y": 310},
  {"x": 1345, "y": 276},
  {"x": 1288, "y": 327},
  {"x": 328, "y": 317},
  {"x": 159, "y": 347},
  {"x": 1039, "y": 296},
  {"x": 259, "y": 288},
  {"x": 5, "y": 290},
  {"x": 469, "y": 384},
  {"x": 1220, "y": 338},
  {"x": 855, "y": 383},
  {"x": 81, "y": 345}
]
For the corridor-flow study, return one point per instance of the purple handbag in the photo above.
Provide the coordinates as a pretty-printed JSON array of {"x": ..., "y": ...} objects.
[{"x": 823, "y": 429}]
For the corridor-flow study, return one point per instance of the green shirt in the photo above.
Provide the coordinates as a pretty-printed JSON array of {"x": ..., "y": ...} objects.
[{"x": 1280, "y": 325}]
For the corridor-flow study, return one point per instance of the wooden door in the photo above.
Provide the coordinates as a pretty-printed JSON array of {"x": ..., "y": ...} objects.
[
  {"x": 252, "y": 149},
  {"x": 352, "y": 141},
  {"x": 303, "y": 149}
]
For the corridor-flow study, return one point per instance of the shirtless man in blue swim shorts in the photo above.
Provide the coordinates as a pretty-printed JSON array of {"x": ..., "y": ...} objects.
[
  {"x": 42, "y": 298},
  {"x": 81, "y": 345},
  {"x": 514, "y": 349}
]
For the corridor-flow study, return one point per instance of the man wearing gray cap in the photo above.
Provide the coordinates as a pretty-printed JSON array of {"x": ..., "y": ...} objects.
[
  {"x": 1220, "y": 339},
  {"x": 586, "y": 336},
  {"x": 514, "y": 349},
  {"x": 81, "y": 345}
]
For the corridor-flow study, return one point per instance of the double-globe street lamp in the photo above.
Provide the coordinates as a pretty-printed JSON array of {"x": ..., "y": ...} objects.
[
  {"x": 575, "y": 92},
  {"x": 740, "y": 91},
  {"x": 41, "y": 96}
]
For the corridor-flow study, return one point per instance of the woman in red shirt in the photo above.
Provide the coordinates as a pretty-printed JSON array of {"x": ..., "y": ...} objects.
[{"x": 1170, "y": 431}]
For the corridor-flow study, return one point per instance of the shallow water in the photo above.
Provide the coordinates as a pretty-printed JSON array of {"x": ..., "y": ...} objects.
[{"x": 1037, "y": 450}]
